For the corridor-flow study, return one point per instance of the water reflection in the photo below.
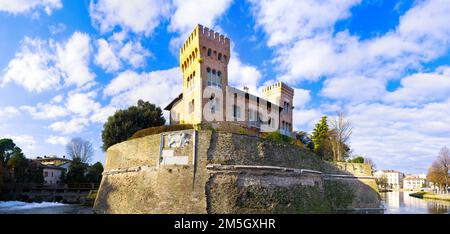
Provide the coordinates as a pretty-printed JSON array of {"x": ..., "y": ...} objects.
[{"x": 401, "y": 203}]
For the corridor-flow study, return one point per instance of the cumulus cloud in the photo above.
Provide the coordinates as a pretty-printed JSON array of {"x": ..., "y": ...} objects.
[
  {"x": 57, "y": 140},
  {"x": 242, "y": 75},
  {"x": 8, "y": 112},
  {"x": 41, "y": 65},
  {"x": 26, "y": 142},
  {"x": 32, "y": 67},
  {"x": 117, "y": 50},
  {"x": 422, "y": 88},
  {"x": 128, "y": 87},
  {"x": 24, "y": 6},
  {"x": 82, "y": 104},
  {"x": 75, "y": 125},
  {"x": 46, "y": 111},
  {"x": 73, "y": 60},
  {"x": 138, "y": 16}
]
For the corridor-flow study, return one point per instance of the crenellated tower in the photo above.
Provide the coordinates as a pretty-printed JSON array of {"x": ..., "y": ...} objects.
[
  {"x": 204, "y": 61},
  {"x": 281, "y": 94}
]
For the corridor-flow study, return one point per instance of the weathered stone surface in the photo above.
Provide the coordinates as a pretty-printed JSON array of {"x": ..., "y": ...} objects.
[{"x": 229, "y": 173}]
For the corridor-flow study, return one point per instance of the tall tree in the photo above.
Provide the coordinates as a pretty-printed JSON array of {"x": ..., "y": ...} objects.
[
  {"x": 94, "y": 174},
  {"x": 320, "y": 137},
  {"x": 76, "y": 172},
  {"x": 18, "y": 164},
  {"x": 438, "y": 173},
  {"x": 80, "y": 148},
  {"x": 7, "y": 147},
  {"x": 341, "y": 130},
  {"x": 124, "y": 123}
]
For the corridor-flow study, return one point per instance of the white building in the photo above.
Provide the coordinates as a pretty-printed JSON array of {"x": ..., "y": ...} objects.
[
  {"x": 413, "y": 182},
  {"x": 52, "y": 174},
  {"x": 394, "y": 178}
]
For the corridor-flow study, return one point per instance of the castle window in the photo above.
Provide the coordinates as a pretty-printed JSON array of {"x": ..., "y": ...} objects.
[
  {"x": 219, "y": 79},
  {"x": 191, "y": 106},
  {"x": 219, "y": 57},
  {"x": 286, "y": 107},
  {"x": 208, "y": 70},
  {"x": 215, "y": 54},
  {"x": 236, "y": 111},
  {"x": 225, "y": 58},
  {"x": 209, "y": 52}
]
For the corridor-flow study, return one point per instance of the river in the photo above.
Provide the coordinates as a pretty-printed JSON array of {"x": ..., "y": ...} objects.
[
  {"x": 18, "y": 207},
  {"x": 398, "y": 202},
  {"x": 395, "y": 203}
]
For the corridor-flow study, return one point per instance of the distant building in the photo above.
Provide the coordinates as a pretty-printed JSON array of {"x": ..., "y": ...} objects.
[
  {"x": 394, "y": 178},
  {"x": 412, "y": 182},
  {"x": 53, "y": 167}
]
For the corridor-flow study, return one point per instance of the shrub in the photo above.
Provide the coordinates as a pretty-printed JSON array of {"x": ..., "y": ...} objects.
[
  {"x": 276, "y": 136},
  {"x": 160, "y": 129}
]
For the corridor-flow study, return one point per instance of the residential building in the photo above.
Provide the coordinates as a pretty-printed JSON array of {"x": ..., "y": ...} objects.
[
  {"x": 53, "y": 167},
  {"x": 394, "y": 178},
  {"x": 414, "y": 182}
]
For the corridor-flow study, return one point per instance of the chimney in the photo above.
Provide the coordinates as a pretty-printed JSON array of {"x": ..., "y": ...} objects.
[{"x": 246, "y": 89}]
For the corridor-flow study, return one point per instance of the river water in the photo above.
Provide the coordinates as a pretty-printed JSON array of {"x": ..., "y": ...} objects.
[
  {"x": 394, "y": 202},
  {"x": 399, "y": 202},
  {"x": 18, "y": 207}
]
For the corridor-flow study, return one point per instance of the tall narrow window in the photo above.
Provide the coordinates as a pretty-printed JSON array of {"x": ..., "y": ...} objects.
[
  {"x": 219, "y": 57},
  {"x": 209, "y": 52},
  {"x": 208, "y": 71},
  {"x": 219, "y": 79},
  {"x": 213, "y": 77}
]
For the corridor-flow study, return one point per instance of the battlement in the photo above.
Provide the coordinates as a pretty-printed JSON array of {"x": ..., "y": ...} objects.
[
  {"x": 278, "y": 85},
  {"x": 210, "y": 34},
  {"x": 205, "y": 33}
]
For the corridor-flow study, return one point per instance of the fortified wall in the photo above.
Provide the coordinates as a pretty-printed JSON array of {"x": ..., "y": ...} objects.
[{"x": 205, "y": 171}]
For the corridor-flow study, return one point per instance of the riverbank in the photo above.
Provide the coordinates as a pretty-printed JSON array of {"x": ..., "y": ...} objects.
[{"x": 428, "y": 195}]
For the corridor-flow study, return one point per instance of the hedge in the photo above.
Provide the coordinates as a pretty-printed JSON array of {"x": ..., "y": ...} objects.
[{"x": 160, "y": 129}]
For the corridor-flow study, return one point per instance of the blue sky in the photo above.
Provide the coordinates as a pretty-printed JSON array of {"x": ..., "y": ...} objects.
[{"x": 67, "y": 65}]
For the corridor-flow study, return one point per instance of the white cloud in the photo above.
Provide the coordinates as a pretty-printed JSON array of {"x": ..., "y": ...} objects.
[
  {"x": 32, "y": 67},
  {"x": 157, "y": 87},
  {"x": 353, "y": 88},
  {"x": 240, "y": 74},
  {"x": 8, "y": 112},
  {"x": 301, "y": 97},
  {"x": 422, "y": 88},
  {"x": 287, "y": 20},
  {"x": 25, "y": 6},
  {"x": 82, "y": 104},
  {"x": 187, "y": 14},
  {"x": 106, "y": 57},
  {"x": 39, "y": 65},
  {"x": 46, "y": 111},
  {"x": 26, "y": 142},
  {"x": 117, "y": 51},
  {"x": 75, "y": 125},
  {"x": 57, "y": 140},
  {"x": 102, "y": 114},
  {"x": 139, "y": 16},
  {"x": 73, "y": 60}
]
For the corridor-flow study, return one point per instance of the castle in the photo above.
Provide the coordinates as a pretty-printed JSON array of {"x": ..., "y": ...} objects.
[{"x": 206, "y": 96}]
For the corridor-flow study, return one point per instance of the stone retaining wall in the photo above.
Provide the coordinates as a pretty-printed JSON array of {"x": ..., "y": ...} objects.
[{"x": 228, "y": 173}]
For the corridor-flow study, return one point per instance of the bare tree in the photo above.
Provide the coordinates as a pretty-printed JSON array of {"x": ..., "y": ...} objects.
[
  {"x": 371, "y": 163},
  {"x": 438, "y": 173},
  {"x": 80, "y": 148},
  {"x": 382, "y": 182},
  {"x": 341, "y": 130}
]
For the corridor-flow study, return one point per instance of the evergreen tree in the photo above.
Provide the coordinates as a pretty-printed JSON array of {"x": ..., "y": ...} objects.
[
  {"x": 94, "y": 174},
  {"x": 320, "y": 138},
  {"x": 124, "y": 123},
  {"x": 77, "y": 172}
]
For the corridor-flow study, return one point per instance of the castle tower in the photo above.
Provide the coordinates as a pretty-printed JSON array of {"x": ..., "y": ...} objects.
[
  {"x": 204, "y": 61},
  {"x": 281, "y": 94}
]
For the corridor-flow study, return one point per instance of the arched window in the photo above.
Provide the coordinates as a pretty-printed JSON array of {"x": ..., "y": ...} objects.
[
  {"x": 209, "y": 52},
  {"x": 220, "y": 57}
]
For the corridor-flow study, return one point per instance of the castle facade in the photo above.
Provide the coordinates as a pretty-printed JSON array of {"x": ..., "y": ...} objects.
[{"x": 207, "y": 97}]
